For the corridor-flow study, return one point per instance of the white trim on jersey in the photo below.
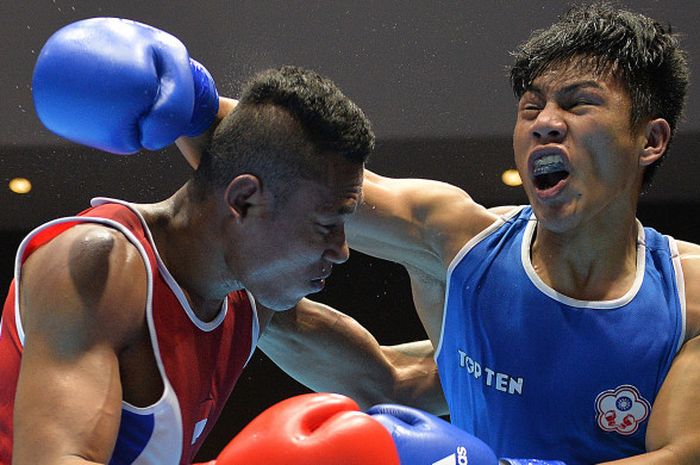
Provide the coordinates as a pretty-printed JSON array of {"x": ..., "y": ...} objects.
[
  {"x": 206, "y": 326},
  {"x": 680, "y": 285},
  {"x": 165, "y": 443},
  {"x": 570, "y": 301},
  {"x": 458, "y": 258},
  {"x": 255, "y": 335}
]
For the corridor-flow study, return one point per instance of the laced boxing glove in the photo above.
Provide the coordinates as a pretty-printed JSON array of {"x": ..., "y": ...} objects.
[
  {"x": 505, "y": 461},
  {"x": 424, "y": 439},
  {"x": 121, "y": 86},
  {"x": 311, "y": 429}
]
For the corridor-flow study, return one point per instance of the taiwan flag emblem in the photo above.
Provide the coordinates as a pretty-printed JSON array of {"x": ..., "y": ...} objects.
[{"x": 621, "y": 410}]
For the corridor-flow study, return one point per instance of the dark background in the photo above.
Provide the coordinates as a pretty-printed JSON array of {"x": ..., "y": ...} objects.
[{"x": 430, "y": 75}]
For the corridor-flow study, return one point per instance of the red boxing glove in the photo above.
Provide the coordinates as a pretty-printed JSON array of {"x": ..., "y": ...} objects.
[{"x": 312, "y": 429}]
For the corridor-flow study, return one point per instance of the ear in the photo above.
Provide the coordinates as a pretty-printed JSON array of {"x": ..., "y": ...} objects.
[
  {"x": 243, "y": 194},
  {"x": 658, "y": 134}
]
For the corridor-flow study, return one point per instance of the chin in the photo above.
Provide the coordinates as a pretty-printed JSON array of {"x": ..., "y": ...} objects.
[
  {"x": 278, "y": 304},
  {"x": 558, "y": 219}
]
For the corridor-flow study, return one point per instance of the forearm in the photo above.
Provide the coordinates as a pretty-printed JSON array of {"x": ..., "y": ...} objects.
[
  {"x": 329, "y": 351},
  {"x": 191, "y": 148},
  {"x": 418, "y": 380}
]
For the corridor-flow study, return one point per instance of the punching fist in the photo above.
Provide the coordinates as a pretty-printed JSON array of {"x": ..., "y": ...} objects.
[
  {"x": 120, "y": 86},
  {"x": 312, "y": 429},
  {"x": 424, "y": 439}
]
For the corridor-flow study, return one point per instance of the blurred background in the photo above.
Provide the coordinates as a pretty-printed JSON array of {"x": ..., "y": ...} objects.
[{"x": 431, "y": 75}]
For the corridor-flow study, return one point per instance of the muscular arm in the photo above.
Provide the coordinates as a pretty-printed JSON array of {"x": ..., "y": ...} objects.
[
  {"x": 673, "y": 434},
  {"x": 79, "y": 295},
  {"x": 415, "y": 222},
  {"x": 329, "y": 351},
  {"x": 408, "y": 221}
]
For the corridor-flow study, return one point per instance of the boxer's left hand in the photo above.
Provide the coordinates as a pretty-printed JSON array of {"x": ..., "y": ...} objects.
[
  {"x": 121, "y": 86},
  {"x": 312, "y": 429},
  {"x": 424, "y": 439}
]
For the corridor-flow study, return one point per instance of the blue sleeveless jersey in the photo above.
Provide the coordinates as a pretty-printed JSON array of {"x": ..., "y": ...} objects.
[{"x": 535, "y": 373}]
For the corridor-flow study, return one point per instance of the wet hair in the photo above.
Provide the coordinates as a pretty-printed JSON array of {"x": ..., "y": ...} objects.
[
  {"x": 641, "y": 53},
  {"x": 289, "y": 125}
]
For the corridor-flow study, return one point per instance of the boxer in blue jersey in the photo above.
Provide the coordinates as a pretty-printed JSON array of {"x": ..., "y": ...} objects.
[{"x": 563, "y": 329}]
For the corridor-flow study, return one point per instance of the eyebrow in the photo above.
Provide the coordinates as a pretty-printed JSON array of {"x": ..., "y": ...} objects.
[
  {"x": 347, "y": 209},
  {"x": 343, "y": 210},
  {"x": 569, "y": 88}
]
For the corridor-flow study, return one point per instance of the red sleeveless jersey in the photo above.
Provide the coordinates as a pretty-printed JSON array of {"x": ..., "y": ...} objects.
[{"x": 199, "y": 361}]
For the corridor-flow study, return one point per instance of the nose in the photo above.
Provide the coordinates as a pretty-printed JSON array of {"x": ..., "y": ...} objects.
[
  {"x": 337, "y": 250},
  {"x": 549, "y": 126}
]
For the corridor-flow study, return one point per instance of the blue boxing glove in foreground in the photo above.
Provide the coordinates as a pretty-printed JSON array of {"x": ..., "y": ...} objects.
[
  {"x": 121, "y": 86},
  {"x": 424, "y": 439},
  {"x": 530, "y": 462}
]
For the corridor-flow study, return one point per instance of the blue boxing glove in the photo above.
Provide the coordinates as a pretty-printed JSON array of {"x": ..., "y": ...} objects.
[
  {"x": 424, "y": 439},
  {"x": 530, "y": 462},
  {"x": 121, "y": 86}
]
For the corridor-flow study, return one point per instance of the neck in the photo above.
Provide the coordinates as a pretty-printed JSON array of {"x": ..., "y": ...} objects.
[
  {"x": 594, "y": 261},
  {"x": 183, "y": 230}
]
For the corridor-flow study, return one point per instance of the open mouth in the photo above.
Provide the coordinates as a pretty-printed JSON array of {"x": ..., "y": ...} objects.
[{"x": 548, "y": 171}]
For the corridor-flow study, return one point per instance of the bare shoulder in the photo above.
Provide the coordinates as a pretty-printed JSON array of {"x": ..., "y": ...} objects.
[
  {"x": 503, "y": 210},
  {"x": 421, "y": 195},
  {"x": 82, "y": 300},
  {"x": 690, "y": 264},
  {"x": 411, "y": 220},
  {"x": 89, "y": 280}
]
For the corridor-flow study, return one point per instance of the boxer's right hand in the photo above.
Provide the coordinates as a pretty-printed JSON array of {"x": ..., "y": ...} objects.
[
  {"x": 312, "y": 429},
  {"x": 424, "y": 439},
  {"x": 121, "y": 86}
]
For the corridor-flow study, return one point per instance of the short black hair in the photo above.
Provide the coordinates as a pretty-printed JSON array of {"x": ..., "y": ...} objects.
[
  {"x": 643, "y": 54},
  {"x": 287, "y": 124}
]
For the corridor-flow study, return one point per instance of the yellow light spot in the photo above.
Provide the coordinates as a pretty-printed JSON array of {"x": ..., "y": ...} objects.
[
  {"x": 511, "y": 178},
  {"x": 20, "y": 185}
]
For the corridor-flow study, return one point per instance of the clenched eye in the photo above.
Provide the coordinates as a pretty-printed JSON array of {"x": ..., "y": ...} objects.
[
  {"x": 325, "y": 229},
  {"x": 529, "y": 109}
]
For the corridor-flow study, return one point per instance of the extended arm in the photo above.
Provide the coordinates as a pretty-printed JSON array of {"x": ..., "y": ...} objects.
[
  {"x": 329, "y": 351},
  {"x": 77, "y": 297},
  {"x": 415, "y": 222}
]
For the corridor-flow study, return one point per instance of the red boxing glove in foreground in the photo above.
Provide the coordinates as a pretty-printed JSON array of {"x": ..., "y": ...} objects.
[{"x": 312, "y": 429}]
